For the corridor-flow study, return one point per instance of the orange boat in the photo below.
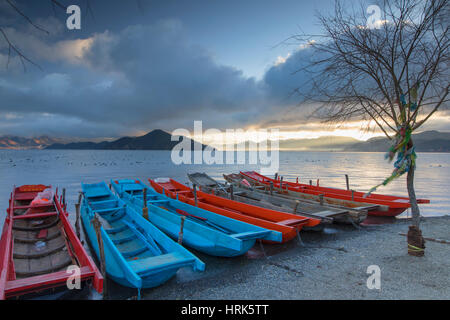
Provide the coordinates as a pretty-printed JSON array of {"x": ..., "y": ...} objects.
[
  {"x": 395, "y": 204},
  {"x": 286, "y": 223}
]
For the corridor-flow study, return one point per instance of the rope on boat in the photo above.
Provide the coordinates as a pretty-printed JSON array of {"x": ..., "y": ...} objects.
[
  {"x": 262, "y": 249},
  {"x": 353, "y": 223},
  {"x": 300, "y": 242}
]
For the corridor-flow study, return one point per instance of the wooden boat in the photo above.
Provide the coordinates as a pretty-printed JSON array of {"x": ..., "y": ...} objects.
[
  {"x": 338, "y": 213},
  {"x": 307, "y": 208},
  {"x": 389, "y": 205},
  {"x": 361, "y": 209},
  {"x": 38, "y": 244},
  {"x": 137, "y": 254},
  {"x": 203, "y": 230},
  {"x": 286, "y": 223}
]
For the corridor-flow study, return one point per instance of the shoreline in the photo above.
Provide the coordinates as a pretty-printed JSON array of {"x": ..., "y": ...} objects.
[{"x": 329, "y": 265}]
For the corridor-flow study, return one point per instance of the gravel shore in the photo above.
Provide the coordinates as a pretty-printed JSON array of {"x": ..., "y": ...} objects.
[{"x": 327, "y": 265}]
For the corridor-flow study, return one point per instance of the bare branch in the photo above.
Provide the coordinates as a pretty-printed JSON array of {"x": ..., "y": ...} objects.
[
  {"x": 392, "y": 75},
  {"x": 12, "y": 48},
  {"x": 26, "y": 17}
]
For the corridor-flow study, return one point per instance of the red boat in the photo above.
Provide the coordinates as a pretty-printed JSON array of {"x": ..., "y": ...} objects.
[
  {"x": 395, "y": 205},
  {"x": 38, "y": 244},
  {"x": 286, "y": 223}
]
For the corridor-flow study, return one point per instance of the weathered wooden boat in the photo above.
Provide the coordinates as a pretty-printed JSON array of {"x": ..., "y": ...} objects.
[
  {"x": 308, "y": 208},
  {"x": 286, "y": 223},
  {"x": 339, "y": 213},
  {"x": 137, "y": 254},
  {"x": 389, "y": 205},
  {"x": 203, "y": 230},
  {"x": 352, "y": 206},
  {"x": 38, "y": 244}
]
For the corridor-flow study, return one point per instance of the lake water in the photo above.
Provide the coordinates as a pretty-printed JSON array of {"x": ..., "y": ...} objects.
[{"x": 67, "y": 168}]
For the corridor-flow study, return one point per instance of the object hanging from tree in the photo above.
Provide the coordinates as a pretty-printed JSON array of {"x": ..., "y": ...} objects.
[{"x": 403, "y": 147}]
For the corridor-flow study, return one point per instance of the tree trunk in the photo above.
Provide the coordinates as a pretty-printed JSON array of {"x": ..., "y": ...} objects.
[
  {"x": 415, "y": 212},
  {"x": 416, "y": 243}
]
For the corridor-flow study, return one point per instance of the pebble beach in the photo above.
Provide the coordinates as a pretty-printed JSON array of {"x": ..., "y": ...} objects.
[{"x": 331, "y": 264}]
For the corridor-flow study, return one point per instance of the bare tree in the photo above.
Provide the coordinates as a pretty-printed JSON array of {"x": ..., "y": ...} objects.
[
  {"x": 392, "y": 72},
  {"x": 13, "y": 49},
  {"x": 56, "y": 4}
]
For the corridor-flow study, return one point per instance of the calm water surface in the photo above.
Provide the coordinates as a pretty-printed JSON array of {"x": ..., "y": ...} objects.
[{"x": 67, "y": 168}]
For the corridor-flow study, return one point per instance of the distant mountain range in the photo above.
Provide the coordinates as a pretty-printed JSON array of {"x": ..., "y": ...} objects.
[
  {"x": 13, "y": 142},
  {"x": 154, "y": 140},
  {"x": 327, "y": 143},
  {"x": 428, "y": 141}
]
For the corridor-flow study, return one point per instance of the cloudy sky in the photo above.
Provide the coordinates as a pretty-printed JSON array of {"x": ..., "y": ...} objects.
[{"x": 140, "y": 65}]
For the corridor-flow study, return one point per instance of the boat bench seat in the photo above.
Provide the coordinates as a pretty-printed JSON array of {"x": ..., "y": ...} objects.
[
  {"x": 116, "y": 230},
  {"x": 96, "y": 192},
  {"x": 108, "y": 209},
  {"x": 133, "y": 253},
  {"x": 124, "y": 239},
  {"x": 131, "y": 186},
  {"x": 291, "y": 222},
  {"x": 102, "y": 202},
  {"x": 146, "y": 264},
  {"x": 34, "y": 206}
]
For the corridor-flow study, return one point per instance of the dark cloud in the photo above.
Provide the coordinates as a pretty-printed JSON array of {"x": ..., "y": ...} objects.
[
  {"x": 283, "y": 78},
  {"x": 141, "y": 78},
  {"x": 131, "y": 81}
]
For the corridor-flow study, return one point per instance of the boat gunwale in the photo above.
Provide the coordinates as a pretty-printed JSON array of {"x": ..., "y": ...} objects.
[
  {"x": 358, "y": 204},
  {"x": 139, "y": 279},
  {"x": 288, "y": 232},
  {"x": 356, "y": 215},
  {"x": 358, "y": 195},
  {"x": 223, "y": 236}
]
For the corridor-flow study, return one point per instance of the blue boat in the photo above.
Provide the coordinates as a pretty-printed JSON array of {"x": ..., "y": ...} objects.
[
  {"x": 137, "y": 254},
  {"x": 203, "y": 230}
]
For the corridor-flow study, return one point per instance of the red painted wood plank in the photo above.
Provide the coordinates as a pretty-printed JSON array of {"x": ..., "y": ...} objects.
[
  {"x": 36, "y": 283},
  {"x": 35, "y": 215}
]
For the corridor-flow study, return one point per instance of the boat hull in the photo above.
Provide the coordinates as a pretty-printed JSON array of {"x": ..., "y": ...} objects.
[
  {"x": 389, "y": 205},
  {"x": 258, "y": 196},
  {"x": 38, "y": 245},
  {"x": 128, "y": 258},
  {"x": 288, "y": 224},
  {"x": 197, "y": 234},
  {"x": 391, "y": 212}
]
